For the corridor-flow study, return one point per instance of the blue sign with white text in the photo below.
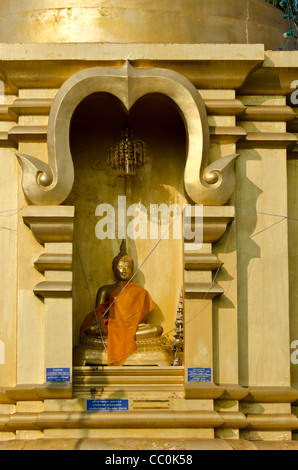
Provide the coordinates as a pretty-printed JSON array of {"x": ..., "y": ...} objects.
[
  {"x": 58, "y": 374},
  {"x": 199, "y": 375},
  {"x": 107, "y": 405}
]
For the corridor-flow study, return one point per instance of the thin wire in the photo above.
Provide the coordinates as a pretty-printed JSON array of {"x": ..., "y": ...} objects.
[
  {"x": 198, "y": 312},
  {"x": 283, "y": 48},
  {"x": 225, "y": 250},
  {"x": 15, "y": 211},
  {"x": 142, "y": 264},
  {"x": 292, "y": 26},
  {"x": 266, "y": 213},
  {"x": 8, "y": 212},
  {"x": 90, "y": 296},
  {"x": 232, "y": 225}
]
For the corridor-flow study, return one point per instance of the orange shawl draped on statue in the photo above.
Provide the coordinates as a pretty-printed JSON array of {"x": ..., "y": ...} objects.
[{"x": 127, "y": 306}]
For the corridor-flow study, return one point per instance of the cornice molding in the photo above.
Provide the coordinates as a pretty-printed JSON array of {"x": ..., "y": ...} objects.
[
  {"x": 54, "y": 262},
  {"x": 205, "y": 65},
  {"x": 132, "y": 377},
  {"x": 279, "y": 70},
  {"x": 196, "y": 261},
  {"x": 31, "y": 107},
  {"x": 269, "y": 140},
  {"x": 54, "y": 290},
  {"x": 50, "y": 223},
  {"x": 28, "y": 134},
  {"x": 268, "y": 113},
  {"x": 202, "y": 290},
  {"x": 165, "y": 419}
]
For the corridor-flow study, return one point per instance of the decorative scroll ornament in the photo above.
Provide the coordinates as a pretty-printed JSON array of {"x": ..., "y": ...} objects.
[{"x": 51, "y": 184}]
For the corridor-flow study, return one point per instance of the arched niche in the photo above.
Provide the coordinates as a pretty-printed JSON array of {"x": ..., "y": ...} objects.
[
  {"x": 51, "y": 183},
  {"x": 96, "y": 122},
  {"x": 78, "y": 133}
]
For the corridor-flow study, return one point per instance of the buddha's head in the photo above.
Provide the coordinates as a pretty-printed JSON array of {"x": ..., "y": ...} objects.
[{"x": 123, "y": 265}]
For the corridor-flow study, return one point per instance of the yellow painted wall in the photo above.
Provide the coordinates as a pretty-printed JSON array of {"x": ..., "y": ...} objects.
[{"x": 293, "y": 265}]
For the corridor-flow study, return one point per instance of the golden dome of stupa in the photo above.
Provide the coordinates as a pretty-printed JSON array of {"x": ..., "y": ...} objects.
[{"x": 142, "y": 21}]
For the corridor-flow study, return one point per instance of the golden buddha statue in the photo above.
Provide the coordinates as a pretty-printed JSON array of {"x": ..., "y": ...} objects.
[{"x": 115, "y": 326}]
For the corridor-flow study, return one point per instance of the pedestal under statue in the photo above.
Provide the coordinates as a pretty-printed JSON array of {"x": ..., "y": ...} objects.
[{"x": 113, "y": 333}]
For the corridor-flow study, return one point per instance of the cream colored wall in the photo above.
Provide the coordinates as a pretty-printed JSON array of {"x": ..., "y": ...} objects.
[
  {"x": 263, "y": 279},
  {"x": 8, "y": 267},
  {"x": 161, "y": 181},
  {"x": 30, "y": 312},
  {"x": 30, "y": 309},
  {"x": 224, "y": 309}
]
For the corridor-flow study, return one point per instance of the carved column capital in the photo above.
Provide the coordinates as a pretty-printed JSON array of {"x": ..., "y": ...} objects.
[{"x": 50, "y": 223}]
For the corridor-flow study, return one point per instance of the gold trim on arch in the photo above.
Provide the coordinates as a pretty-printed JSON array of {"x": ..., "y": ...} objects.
[{"x": 50, "y": 184}]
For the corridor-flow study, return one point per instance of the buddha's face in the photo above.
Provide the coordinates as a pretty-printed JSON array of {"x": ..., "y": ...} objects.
[{"x": 124, "y": 269}]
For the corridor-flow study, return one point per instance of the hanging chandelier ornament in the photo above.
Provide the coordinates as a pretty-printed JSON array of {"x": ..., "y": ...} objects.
[{"x": 127, "y": 155}]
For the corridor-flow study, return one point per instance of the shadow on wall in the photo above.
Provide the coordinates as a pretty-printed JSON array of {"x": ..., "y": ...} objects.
[{"x": 248, "y": 251}]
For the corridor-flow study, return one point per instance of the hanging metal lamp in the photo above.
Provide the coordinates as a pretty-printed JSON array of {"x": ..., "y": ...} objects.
[{"x": 128, "y": 154}]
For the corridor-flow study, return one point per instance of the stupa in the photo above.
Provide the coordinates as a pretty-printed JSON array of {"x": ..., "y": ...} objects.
[{"x": 211, "y": 89}]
